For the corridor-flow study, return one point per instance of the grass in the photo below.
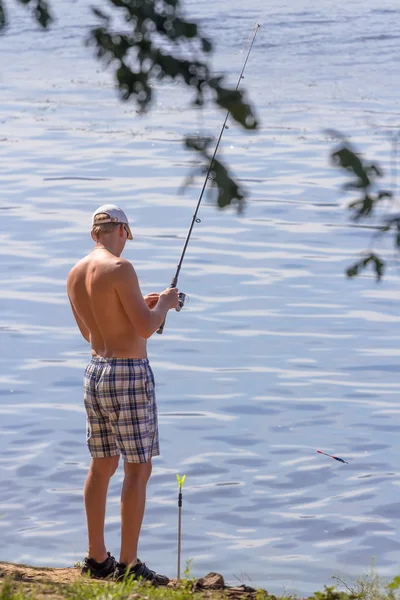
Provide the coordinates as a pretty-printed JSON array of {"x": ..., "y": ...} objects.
[
  {"x": 366, "y": 587},
  {"x": 20, "y": 587},
  {"x": 86, "y": 589}
]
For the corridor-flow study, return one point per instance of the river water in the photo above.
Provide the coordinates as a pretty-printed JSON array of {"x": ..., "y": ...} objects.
[{"x": 276, "y": 355}]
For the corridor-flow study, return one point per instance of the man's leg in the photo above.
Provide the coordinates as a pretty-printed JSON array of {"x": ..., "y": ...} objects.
[
  {"x": 133, "y": 499},
  {"x": 95, "y": 494}
]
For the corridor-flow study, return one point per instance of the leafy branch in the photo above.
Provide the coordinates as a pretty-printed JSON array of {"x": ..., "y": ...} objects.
[
  {"x": 156, "y": 43},
  {"x": 364, "y": 177},
  {"x": 141, "y": 59}
]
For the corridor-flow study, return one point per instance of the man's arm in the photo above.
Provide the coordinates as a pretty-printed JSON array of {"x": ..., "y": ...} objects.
[
  {"x": 145, "y": 321},
  {"x": 82, "y": 327}
]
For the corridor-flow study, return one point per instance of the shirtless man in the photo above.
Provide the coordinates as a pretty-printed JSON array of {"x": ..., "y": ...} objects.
[{"x": 120, "y": 403}]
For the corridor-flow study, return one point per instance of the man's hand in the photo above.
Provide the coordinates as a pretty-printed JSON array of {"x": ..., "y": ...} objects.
[
  {"x": 151, "y": 299},
  {"x": 171, "y": 297}
]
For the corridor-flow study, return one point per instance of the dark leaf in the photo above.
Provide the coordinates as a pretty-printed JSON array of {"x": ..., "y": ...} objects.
[
  {"x": 366, "y": 260},
  {"x": 199, "y": 99},
  {"x": 241, "y": 111},
  {"x": 134, "y": 84},
  {"x": 42, "y": 13},
  {"x": 184, "y": 28},
  {"x": 352, "y": 271},
  {"x": 141, "y": 50},
  {"x": 206, "y": 45},
  {"x": 335, "y": 134},
  {"x": 385, "y": 194},
  {"x": 228, "y": 191},
  {"x": 110, "y": 47},
  {"x": 100, "y": 14},
  {"x": 175, "y": 67},
  {"x": 3, "y": 20},
  {"x": 392, "y": 222},
  {"x": 353, "y": 185},
  {"x": 373, "y": 259},
  {"x": 215, "y": 82},
  {"x": 355, "y": 203},
  {"x": 379, "y": 266},
  {"x": 375, "y": 169},
  {"x": 348, "y": 160},
  {"x": 121, "y": 3},
  {"x": 362, "y": 208},
  {"x": 200, "y": 144}
]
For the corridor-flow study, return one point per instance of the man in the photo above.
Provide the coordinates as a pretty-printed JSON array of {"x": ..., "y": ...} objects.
[{"x": 120, "y": 403}]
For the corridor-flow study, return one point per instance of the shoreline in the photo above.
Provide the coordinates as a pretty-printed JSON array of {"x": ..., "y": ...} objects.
[
  {"x": 24, "y": 582},
  {"x": 54, "y": 582}
]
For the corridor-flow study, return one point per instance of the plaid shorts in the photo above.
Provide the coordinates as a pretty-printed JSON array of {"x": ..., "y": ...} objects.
[{"x": 121, "y": 409}]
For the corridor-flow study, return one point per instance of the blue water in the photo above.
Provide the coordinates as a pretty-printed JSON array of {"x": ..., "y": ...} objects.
[{"x": 276, "y": 355}]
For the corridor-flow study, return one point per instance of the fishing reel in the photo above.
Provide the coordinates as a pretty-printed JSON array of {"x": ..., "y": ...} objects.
[{"x": 182, "y": 299}]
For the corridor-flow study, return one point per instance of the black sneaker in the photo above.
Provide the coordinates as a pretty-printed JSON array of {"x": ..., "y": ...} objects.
[
  {"x": 97, "y": 570},
  {"x": 139, "y": 571}
]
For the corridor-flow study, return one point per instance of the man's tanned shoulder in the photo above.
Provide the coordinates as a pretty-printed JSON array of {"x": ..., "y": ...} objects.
[
  {"x": 72, "y": 275},
  {"x": 124, "y": 269}
]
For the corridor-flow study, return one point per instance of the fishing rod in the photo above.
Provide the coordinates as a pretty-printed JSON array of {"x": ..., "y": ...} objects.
[{"x": 174, "y": 283}]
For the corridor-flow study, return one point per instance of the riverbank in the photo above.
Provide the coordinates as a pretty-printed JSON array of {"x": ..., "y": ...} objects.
[
  {"x": 23, "y": 582},
  {"x": 20, "y": 582}
]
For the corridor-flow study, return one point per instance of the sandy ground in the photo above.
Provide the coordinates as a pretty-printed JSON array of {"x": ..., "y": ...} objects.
[
  {"x": 39, "y": 583},
  {"x": 49, "y": 582},
  {"x": 39, "y": 574}
]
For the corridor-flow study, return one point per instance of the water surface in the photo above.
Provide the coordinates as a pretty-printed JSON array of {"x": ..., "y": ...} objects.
[{"x": 276, "y": 355}]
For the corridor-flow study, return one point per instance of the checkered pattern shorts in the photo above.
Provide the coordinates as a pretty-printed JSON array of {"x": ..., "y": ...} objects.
[{"x": 121, "y": 409}]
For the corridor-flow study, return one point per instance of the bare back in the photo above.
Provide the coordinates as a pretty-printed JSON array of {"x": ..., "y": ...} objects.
[{"x": 95, "y": 296}]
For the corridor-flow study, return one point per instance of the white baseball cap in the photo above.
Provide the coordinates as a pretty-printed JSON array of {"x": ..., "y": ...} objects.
[{"x": 116, "y": 215}]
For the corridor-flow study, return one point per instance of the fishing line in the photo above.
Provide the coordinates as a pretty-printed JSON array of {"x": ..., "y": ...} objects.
[
  {"x": 195, "y": 219},
  {"x": 256, "y": 25}
]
